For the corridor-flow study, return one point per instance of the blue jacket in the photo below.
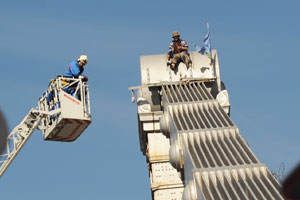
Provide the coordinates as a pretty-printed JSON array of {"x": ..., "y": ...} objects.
[{"x": 74, "y": 70}]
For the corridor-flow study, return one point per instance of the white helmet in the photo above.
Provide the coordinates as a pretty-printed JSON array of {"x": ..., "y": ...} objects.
[{"x": 83, "y": 59}]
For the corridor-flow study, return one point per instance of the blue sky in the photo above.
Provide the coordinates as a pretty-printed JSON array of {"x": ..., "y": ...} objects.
[{"x": 257, "y": 44}]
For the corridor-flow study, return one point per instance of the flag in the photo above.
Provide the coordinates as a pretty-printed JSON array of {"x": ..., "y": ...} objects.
[
  {"x": 206, "y": 48},
  {"x": 206, "y": 41}
]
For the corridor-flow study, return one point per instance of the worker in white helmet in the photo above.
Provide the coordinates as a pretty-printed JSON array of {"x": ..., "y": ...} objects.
[{"x": 76, "y": 69}]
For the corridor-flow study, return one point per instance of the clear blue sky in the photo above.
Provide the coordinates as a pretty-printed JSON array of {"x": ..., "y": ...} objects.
[{"x": 257, "y": 43}]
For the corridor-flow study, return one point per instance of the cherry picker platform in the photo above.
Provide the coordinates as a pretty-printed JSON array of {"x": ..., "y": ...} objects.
[{"x": 63, "y": 113}]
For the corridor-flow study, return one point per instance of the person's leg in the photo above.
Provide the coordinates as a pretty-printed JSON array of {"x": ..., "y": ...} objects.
[
  {"x": 186, "y": 59},
  {"x": 175, "y": 60}
]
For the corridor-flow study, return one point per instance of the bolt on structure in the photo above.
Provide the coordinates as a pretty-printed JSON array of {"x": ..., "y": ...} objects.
[{"x": 193, "y": 149}]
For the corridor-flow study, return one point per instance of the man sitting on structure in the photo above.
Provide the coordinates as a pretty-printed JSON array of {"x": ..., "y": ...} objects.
[{"x": 178, "y": 51}]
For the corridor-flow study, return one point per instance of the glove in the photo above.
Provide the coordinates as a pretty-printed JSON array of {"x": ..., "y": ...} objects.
[{"x": 85, "y": 78}]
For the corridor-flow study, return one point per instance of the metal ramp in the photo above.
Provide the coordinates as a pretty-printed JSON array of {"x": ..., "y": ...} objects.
[
  {"x": 207, "y": 146},
  {"x": 194, "y": 151},
  {"x": 63, "y": 113}
]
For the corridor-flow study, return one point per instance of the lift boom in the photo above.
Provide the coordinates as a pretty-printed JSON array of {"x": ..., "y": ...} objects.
[{"x": 63, "y": 113}]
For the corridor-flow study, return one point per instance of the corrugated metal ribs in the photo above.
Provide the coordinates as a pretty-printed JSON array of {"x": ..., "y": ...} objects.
[
  {"x": 218, "y": 149},
  {"x": 206, "y": 115},
  {"x": 191, "y": 92},
  {"x": 246, "y": 183},
  {"x": 224, "y": 167}
]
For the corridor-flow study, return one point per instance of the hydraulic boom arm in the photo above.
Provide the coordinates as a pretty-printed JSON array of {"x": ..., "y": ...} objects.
[
  {"x": 18, "y": 137},
  {"x": 63, "y": 113}
]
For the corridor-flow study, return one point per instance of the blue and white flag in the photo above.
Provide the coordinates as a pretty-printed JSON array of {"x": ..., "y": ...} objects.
[
  {"x": 206, "y": 41},
  {"x": 206, "y": 48}
]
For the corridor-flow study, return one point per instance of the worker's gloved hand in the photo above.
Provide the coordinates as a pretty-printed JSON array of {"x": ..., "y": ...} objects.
[{"x": 85, "y": 78}]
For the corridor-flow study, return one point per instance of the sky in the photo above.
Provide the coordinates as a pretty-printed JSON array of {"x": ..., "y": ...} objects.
[{"x": 257, "y": 44}]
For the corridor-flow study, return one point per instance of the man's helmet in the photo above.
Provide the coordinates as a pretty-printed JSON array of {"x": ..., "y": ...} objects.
[{"x": 83, "y": 59}]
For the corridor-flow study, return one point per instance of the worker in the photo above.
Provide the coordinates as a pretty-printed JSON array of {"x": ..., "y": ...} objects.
[
  {"x": 178, "y": 51},
  {"x": 76, "y": 69}
]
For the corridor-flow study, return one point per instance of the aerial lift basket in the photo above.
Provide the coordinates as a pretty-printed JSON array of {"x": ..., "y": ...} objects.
[{"x": 68, "y": 100}]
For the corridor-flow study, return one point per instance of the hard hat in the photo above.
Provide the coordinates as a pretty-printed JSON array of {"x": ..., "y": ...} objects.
[
  {"x": 83, "y": 59},
  {"x": 175, "y": 33}
]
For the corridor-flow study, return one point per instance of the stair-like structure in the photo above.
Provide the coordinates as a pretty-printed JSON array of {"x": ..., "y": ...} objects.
[{"x": 194, "y": 151}]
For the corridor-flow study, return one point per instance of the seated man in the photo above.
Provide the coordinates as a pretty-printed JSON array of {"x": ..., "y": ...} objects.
[{"x": 178, "y": 51}]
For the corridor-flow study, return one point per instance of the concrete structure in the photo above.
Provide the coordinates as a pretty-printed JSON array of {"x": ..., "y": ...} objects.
[{"x": 193, "y": 148}]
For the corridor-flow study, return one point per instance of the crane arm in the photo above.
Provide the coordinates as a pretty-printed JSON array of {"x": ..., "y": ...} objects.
[
  {"x": 63, "y": 113},
  {"x": 19, "y": 136}
]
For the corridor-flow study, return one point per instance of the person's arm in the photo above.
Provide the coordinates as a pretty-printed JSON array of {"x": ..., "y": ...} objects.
[
  {"x": 75, "y": 70},
  {"x": 170, "y": 51},
  {"x": 183, "y": 46}
]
